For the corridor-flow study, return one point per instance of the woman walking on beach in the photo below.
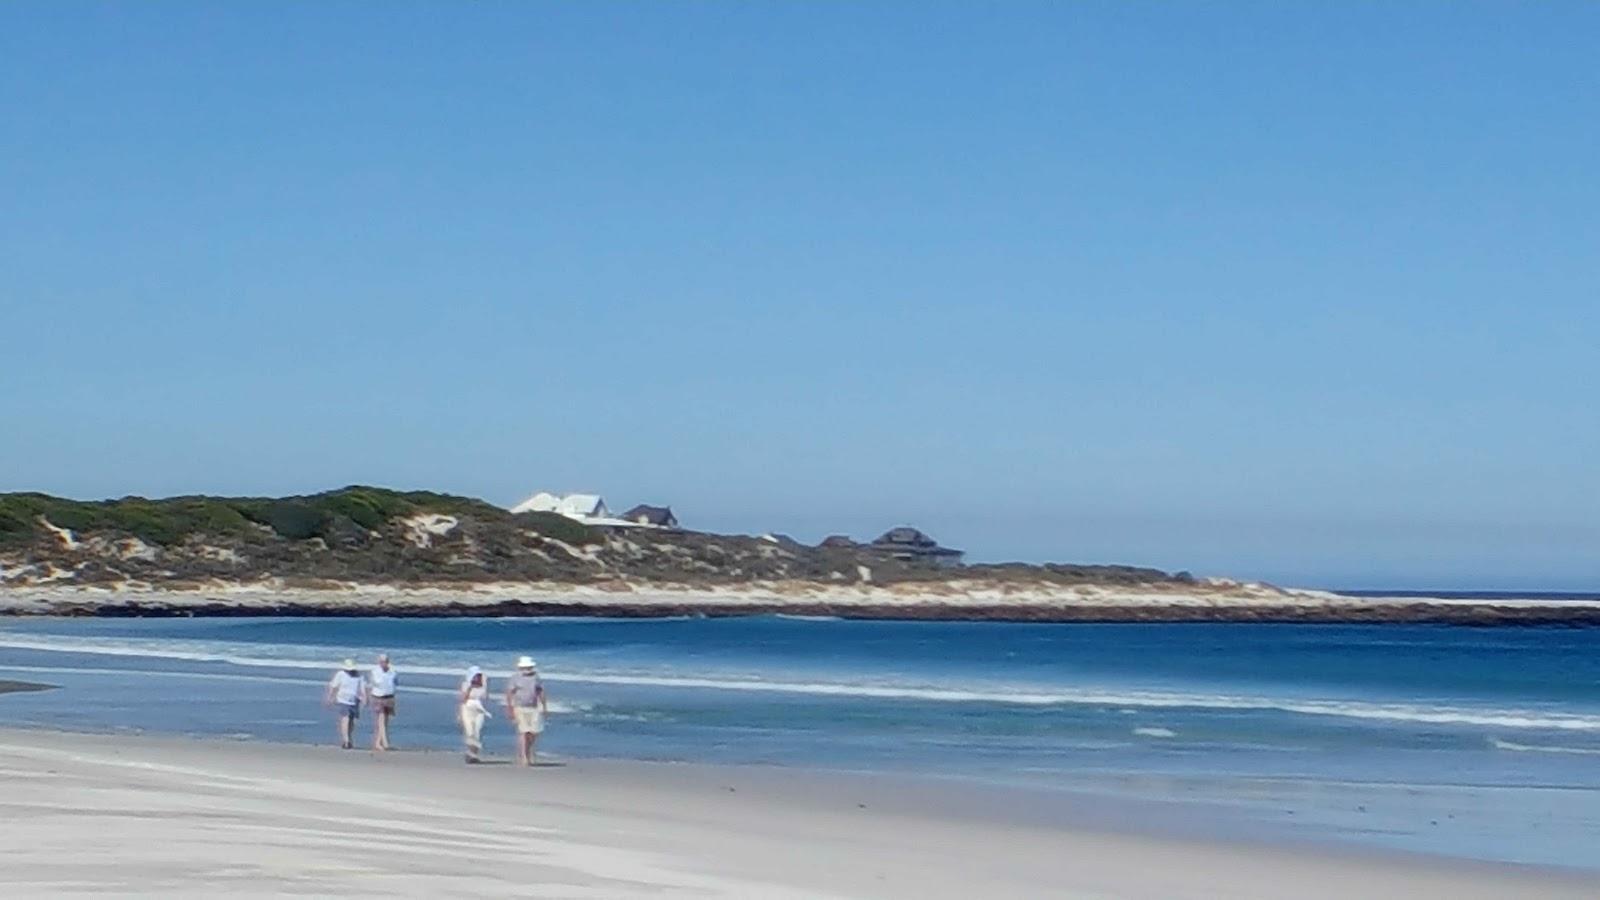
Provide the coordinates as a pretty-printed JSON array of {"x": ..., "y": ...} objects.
[
  {"x": 344, "y": 695},
  {"x": 471, "y": 712},
  {"x": 526, "y": 704}
]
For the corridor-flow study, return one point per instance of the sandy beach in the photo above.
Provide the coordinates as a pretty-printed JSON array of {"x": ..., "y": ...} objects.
[{"x": 136, "y": 815}]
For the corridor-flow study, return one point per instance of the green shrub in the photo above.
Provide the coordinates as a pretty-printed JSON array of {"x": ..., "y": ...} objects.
[
  {"x": 76, "y": 516},
  {"x": 14, "y": 528},
  {"x": 451, "y": 505},
  {"x": 371, "y": 508},
  {"x": 142, "y": 519},
  {"x": 295, "y": 520},
  {"x": 555, "y": 525},
  {"x": 169, "y": 521}
]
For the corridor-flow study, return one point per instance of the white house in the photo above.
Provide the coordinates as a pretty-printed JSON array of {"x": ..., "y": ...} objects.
[
  {"x": 583, "y": 507},
  {"x": 540, "y": 502}
]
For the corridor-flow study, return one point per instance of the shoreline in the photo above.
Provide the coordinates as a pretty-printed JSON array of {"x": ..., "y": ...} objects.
[
  {"x": 212, "y": 810},
  {"x": 943, "y": 602}
]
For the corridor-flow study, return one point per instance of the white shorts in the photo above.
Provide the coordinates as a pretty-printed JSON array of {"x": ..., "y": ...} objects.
[{"x": 530, "y": 720}]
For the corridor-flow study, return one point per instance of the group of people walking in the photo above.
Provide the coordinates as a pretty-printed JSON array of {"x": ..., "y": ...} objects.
[{"x": 526, "y": 704}]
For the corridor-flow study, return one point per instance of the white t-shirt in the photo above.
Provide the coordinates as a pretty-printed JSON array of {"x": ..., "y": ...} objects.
[
  {"x": 383, "y": 681},
  {"x": 346, "y": 687}
]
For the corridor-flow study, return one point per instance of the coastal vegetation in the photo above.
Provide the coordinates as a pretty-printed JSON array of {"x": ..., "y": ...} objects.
[
  {"x": 371, "y": 535},
  {"x": 424, "y": 553},
  {"x": 327, "y": 515}
]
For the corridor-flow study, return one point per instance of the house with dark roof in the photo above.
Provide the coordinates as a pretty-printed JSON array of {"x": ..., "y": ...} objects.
[
  {"x": 655, "y": 516},
  {"x": 837, "y": 542},
  {"x": 910, "y": 545}
]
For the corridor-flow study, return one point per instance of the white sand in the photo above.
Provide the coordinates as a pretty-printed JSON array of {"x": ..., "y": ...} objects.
[
  {"x": 115, "y": 816},
  {"x": 27, "y": 592}
]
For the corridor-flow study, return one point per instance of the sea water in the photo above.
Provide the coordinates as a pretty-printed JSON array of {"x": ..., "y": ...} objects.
[{"x": 1474, "y": 742}]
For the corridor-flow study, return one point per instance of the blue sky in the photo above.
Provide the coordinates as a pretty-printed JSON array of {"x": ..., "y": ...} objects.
[{"x": 1307, "y": 294}]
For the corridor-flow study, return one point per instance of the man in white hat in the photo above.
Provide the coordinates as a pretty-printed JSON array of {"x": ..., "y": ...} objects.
[
  {"x": 344, "y": 695},
  {"x": 526, "y": 706}
]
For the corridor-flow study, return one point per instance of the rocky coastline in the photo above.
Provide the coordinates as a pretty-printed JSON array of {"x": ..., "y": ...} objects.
[{"x": 373, "y": 552}]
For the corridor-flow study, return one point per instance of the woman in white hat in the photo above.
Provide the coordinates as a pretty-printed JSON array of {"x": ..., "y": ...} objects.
[
  {"x": 526, "y": 705},
  {"x": 344, "y": 695},
  {"x": 472, "y": 712}
]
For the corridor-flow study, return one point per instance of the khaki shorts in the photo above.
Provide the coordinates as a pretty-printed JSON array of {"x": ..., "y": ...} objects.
[
  {"x": 383, "y": 704},
  {"x": 530, "y": 720}
]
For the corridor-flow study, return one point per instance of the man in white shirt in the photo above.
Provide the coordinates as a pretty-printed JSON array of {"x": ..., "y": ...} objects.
[
  {"x": 344, "y": 695},
  {"x": 380, "y": 699}
]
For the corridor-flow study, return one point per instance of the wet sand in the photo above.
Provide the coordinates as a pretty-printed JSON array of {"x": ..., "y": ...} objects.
[{"x": 135, "y": 815}]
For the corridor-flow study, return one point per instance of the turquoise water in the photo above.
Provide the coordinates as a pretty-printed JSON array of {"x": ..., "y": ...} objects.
[{"x": 1474, "y": 742}]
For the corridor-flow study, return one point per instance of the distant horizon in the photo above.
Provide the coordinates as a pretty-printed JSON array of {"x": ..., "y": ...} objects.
[{"x": 1295, "y": 293}]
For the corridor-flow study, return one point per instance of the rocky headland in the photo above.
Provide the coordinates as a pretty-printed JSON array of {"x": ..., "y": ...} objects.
[{"x": 369, "y": 551}]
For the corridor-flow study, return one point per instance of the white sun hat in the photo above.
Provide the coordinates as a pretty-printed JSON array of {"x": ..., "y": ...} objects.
[
  {"x": 349, "y": 664},
  {"x": 526, "y": 662}
]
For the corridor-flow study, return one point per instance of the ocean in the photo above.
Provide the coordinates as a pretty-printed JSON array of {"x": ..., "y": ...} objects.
[{"x": 1481, "y": 743}]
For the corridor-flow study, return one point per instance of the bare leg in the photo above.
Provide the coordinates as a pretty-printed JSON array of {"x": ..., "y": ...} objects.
[
  {"x": 532, "y": 740},
  {"x": 380, "y": 730},
  {"x": 525, "y": 749},
  {"x": 344, "y": 730}
]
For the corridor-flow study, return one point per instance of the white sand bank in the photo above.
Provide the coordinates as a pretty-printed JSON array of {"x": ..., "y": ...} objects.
[
  {"x": 100, "y": 815},
  {"x": 951, "y": 598}
]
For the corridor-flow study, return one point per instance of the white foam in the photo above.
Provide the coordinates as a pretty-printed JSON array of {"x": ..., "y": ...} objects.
[
  {"x": 1340, "y": 708},
  {"x": 1155, "y": 732},
  {"x": 197, "y": 651},
  {"x": 795, "y": 617},
  {"x": 313, "y": 684},
  {"x": 1541, "y": 748}
]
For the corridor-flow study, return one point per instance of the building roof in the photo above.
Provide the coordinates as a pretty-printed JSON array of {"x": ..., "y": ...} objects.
[
  {"x": 908, "y": 542},
  {"x": 575, "y": 506},
  {"x": 905, "y": 536},
  {"x": 651, "y": 515},
  {"x": 582, "y": 505},
  {"x": 837, "y": 540},
  {"x": 543, "y": 501}
]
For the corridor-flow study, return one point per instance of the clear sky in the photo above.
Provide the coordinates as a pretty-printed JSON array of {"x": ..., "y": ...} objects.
[{"x": 1305, "y": 292}]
